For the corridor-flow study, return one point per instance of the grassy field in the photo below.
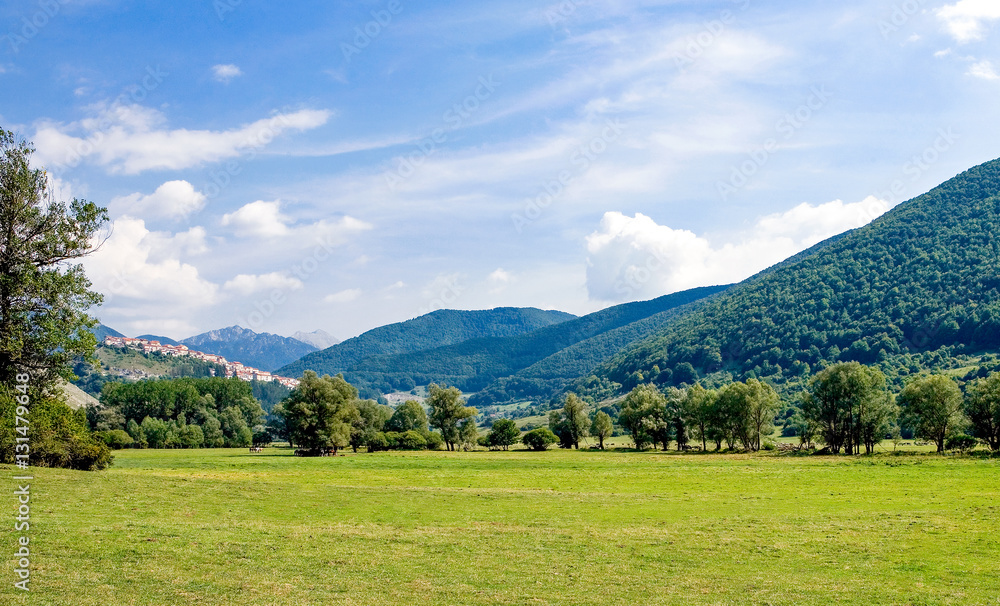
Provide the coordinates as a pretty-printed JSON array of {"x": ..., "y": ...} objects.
[{"x": 231, "y": 528}]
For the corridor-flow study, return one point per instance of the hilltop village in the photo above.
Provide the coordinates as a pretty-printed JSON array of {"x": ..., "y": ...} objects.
[{"x": 233, "y": 369}]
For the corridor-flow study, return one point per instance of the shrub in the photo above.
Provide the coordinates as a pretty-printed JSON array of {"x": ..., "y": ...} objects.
[
  {"x": 116, "y": 439},
  {"x": 411, "y": 440},
  {"x": 377, "y": 442},
  {"x": 961, "y": 443},
  {"x": 434, "y": 440},
  {"x": 539, "y": 439}
]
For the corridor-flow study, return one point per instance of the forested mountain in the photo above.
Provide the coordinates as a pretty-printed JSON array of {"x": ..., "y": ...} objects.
[
  {"x": 436, "y": 329},
  {"x": 265, "y": 351},
  {"x": 543, "y": 361},
  {"x": 917, "y": 288}
]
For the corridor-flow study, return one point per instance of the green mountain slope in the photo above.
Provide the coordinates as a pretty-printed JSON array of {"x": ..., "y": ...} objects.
[
  {"x": 917, "y": 288},
  {"x": 436, "y": 329},
  {"x": 475, "y": 364}
]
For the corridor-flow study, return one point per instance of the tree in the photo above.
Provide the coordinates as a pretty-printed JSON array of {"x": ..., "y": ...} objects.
[
  {"x": 43, "y": 296},
  {"x": 503, "y": 434},
  {"x": 373, "y": 418},
  {"x": 468, "y": 433},
  {"x": 933, "y": 407},
  {"x": 320, "y": 412},
  {"x": 846, "y": 401},
  {"x": 697, "y": 410},
  {"x": 577, "y": 423},
  {"x": 448, "y": 409},
  {"x": 602, "y": 427},
  {"x": 761, "y": 407},
  {"x": 409, "y": 415},
  {"x": 539, "y": 439},
  {"x": 982, "y": 405},
  {"x": 640, "y": 410}
]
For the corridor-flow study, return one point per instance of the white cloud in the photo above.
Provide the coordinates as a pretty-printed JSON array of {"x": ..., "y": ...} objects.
[
  {"x": 260, "y": 218},
  {"x": 983, "y": 69},
  {"x": 344, "y": 296},
  {"x": 635, "y": 258},
  {"x": 245, "y": 284},
  {"x": 966, "y": 20},
  {"x": 498, "y": 280},
  {"x": 225, "y": 73},
  {"x": 144, "y": 268},
  {"x": 265, "y": 220},
  {"x": 173, "y": 199},
  {"x": 131, "y": 139}
]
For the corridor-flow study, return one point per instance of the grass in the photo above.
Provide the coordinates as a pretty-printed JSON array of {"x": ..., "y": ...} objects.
[{"x": 230, "y": 528}]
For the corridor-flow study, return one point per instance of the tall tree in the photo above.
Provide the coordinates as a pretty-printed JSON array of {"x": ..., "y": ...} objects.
[
  {"x": 982, "y": 404},
  {"x": 697, "y": 410},
  {"x": 409, "y": 416},
  {"x": 44, "y": 296},
  {"x": 933, "y": 407},
  {"x": 837, "y": 400},
  {"x": 762, "y": 405},
  {"x": 641, "y": 413},
  {"x": 602, "y": 427},
  {"x": 320, "y": 412},
  {"x": 576, "y": 419},
  {"x": 503, "y": 434},
  {"x": 448, "y": 409}
]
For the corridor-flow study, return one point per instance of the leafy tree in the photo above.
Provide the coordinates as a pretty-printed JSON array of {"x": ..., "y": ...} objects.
[
  {"x": 468, "y": 433},
  {"x": 602, "y": 427},
  {"x": 577, "y": 423},
  {"x": 191, "y": 436},
  {"x": 448, "y": 409},
  {"x": 503, "y": 434},
  {"x": 372, "y": 419},
  {"x": 641, "y": 413},
  {"x": 212, "y": 430},
  {"x": 697, "y": 410},
  {"x": 320, "y": 412},
  {"x": 560, "y": 429},
  {"x": 982, "y": 405},
  {"x": 409, "y": 415},
  {"x": 539, "y": 439},
  {"x": 762, "y": 405},
  {"x": 933, "y": 407},
  {"x": 847, "y": 401},
  {"x": 43, "y": 296}
]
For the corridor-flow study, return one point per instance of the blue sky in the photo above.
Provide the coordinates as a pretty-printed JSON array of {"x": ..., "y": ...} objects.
[{"x": 302, "y": 165}]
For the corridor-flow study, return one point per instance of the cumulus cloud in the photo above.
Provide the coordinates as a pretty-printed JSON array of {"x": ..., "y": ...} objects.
[
  {"x": 145, "y": 267},
  {"x": 498, "y": 280},
  {"x": 983, "y": 69},
  {"x": 131, "y": 139},
  {"x": 245, "y": 284},
  {"x": 344, "y": 296},
  {"x": 225, "y": 73},
  {"x": 173, "y": 199},
  {"x": 966, "y": 20},
  {"x": 633, "y": 258},
  {"x": 263, "y": 219}
]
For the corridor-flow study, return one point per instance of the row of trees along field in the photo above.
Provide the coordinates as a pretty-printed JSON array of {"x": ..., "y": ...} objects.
[
  {"x": 179, "y": 413},
  {"x": 325, "y": 414},
  {"x": 846, "y": 407}
]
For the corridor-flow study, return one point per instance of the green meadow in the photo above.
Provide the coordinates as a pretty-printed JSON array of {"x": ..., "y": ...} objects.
[{"x": 586, "y": 527}]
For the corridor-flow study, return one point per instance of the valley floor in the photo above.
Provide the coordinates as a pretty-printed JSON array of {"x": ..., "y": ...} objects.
[{"x": 231, "y": 528}]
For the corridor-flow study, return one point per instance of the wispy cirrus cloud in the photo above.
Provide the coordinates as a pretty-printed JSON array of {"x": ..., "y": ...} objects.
[{"x": 131, "y": 139}]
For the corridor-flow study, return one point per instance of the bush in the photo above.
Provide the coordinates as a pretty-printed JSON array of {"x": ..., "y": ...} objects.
[
  {"x": 115, "y": 439},
  {"x": 769, "y": 446},
  {"x": 411, "y": 440},
  {"x": 539, "y": 439},
  {"x": 434, "y": 440},
  {"x": 377, "y": 442},
  {"x": 961, "y": 443}
]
